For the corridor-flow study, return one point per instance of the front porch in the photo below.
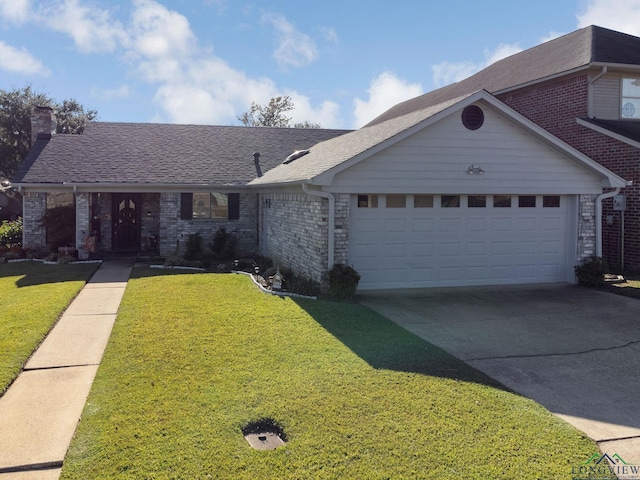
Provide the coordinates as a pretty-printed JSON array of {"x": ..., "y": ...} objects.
[{"x": 117, "y": 222}]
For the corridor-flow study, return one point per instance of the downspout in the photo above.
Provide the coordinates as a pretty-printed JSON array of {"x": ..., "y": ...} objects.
[
  {"x": 599, "y": 199},
  {"x": 332, "y": 222}
]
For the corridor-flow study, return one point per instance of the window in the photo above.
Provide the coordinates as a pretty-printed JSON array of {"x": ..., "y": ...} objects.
[
  {"x": 396, "y": 201},
  {"x": 630, "y": 105},
  {"x": 210, "y": 205},
  {"x": 367, "y": 201},
  {"x": 551, "y": 201},
  {"x": 502, "y": 201},
  {"x": 527, "y": 201},
  {"x": 423, "y": 201},
  {"x": 450, "y": 201},
  {"x": 477, "y": 201}
]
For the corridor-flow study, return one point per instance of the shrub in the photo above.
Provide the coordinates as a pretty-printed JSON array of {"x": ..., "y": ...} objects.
[
  {"x": 60, "y": 224},
  {"x": 194, "y": 247},
  {"x": 591, "y": 271},
  {"x": 219, "y": 239},
  {"x": 11, "y": 233},
  {"x": 301, "y": 285},
  {"x": 343, "y": 281}
]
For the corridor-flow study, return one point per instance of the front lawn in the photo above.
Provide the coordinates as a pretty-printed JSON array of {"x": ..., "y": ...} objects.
[
  {"x": 32, "y": 297},
  {"x": 194, "y": 358}
]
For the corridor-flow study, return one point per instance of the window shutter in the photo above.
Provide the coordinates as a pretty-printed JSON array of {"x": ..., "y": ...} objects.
[
  {"x": 186, "y": 206},
  {"x": 233, "y": 204}
]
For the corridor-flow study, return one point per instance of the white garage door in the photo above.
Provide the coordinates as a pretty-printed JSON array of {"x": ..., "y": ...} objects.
[{"x": 405, "y": 241}]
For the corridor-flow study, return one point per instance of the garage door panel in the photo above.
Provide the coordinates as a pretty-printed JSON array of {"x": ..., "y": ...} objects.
[
  {"x": 529, "y": 224},
  {"x": 501, "y": 224},
  {"x": 425, "y": 247},
  {"x": 550, "y": 247},
  {"x": 475, "y": 225},
  {"x": 422, "y": 250},
  {"x": 526, "y": 248},
  {"x": 449, "y": 225},
  {"x": 422, "y": 224}
]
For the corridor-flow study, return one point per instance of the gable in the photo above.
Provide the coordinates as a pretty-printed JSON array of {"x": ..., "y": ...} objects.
[{"x": 437, "y": 158}]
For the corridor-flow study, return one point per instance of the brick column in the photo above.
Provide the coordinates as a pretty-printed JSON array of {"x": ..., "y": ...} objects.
[
  {"x": 34, "y": 235},
  {"x": 83, "y": 225},
  {"x": 586, "y": 226},
  {"x": 169, "y": 214}
]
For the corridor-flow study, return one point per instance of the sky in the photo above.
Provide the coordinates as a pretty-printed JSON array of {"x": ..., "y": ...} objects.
[{"x": 205, "y": 61}]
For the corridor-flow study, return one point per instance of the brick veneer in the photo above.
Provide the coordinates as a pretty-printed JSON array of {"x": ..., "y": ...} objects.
[
  {"x": 297, "y": 225},
  {"x": 33, "y": 232},
  {"x": 174, "y": 232},
  {"x": 555, "y": 106}
]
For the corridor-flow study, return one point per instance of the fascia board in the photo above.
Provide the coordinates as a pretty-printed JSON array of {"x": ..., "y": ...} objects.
[
  {"x": 130, "y": 187},
  {"x": 608, "y": 133}
]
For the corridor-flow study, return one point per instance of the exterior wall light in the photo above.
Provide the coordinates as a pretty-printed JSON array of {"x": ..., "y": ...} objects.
[{"x": 474, "y": 170}]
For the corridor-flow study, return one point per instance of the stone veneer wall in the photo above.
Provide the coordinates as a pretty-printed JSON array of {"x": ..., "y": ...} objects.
[
  {"x": 586, "y": 226},
  {"x": 295, "y": 227},
  {"x": 33, "y": 232},
  {"x": 83, "y": 225},
  {"x": 174, "y": 232}
]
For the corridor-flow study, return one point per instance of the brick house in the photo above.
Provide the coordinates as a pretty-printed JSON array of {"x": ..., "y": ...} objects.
[
  {"x": 476, "y": 183},
  {"x": 141, "y": 187},
  {"x": 582, "y": 88}
]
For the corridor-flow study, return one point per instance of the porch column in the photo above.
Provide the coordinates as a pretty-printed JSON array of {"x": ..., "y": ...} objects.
[
  {"x": 169, "y": 214},
  {"x": 83, "y": 218},
  {"x": 33, "y": 232}
]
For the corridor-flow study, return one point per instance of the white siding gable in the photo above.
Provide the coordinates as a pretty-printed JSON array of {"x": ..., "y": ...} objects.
[{"x": 436, "y": 160}]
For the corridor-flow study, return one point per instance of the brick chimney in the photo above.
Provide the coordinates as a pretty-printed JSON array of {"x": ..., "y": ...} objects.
[{"x": 43, "y": 123}]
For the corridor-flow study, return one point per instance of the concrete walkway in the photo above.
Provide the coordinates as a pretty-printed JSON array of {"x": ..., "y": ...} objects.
[{"x": 40, "y": 411}]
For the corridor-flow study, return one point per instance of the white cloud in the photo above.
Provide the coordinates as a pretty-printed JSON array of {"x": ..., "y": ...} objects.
[
  {"x": 330, "y": 35},
  {"x": 123, "y": 91},
  {"x": 91, "y": 28},
  {"x": 15, "y": 11},
  {"x": 295, "y": 48},
  {"x": 20, "y": 61},
  {"x": 384, "y": 91},
  {"x": 449, "y": 72},
  {"x": 621, "y": 15}
]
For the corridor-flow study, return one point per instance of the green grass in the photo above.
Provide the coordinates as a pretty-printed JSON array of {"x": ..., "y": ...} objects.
[
  {"x": 32, "y": 297},
  {"x": 193, "y": 358}
]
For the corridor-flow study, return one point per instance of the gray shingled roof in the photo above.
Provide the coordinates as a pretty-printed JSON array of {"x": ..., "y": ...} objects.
[
  {"x": 143, "y": 153},
  {"x": 572, "y": 51},
  {"x": 331, "y": 153}
]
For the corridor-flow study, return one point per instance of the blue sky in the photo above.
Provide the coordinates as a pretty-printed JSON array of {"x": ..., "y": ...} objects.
[{"x": 205, "y": 61}]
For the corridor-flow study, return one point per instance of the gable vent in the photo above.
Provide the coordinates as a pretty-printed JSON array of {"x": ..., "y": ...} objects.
[
  {"x": 472, "y": 117},
  {"x": 295, "y": 155}
]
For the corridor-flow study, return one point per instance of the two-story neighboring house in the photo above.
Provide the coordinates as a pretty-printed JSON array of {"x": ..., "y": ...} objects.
[{"x": 584, "y": 88}]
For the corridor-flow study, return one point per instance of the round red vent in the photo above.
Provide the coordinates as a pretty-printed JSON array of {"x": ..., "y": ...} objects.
[{"x": 472, "y": 117}]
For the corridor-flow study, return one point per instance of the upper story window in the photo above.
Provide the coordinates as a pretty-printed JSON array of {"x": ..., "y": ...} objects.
[{"x": 630, "y": 105}]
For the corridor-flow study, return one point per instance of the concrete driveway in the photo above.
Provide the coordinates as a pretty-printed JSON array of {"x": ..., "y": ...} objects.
[{"x": 574, "y": 350}]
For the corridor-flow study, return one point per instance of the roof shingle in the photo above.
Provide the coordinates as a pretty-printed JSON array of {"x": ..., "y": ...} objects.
[{"x": 144, "y": 153}]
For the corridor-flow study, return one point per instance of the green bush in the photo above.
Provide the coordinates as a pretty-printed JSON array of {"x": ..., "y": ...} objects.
[
  {"x": 343, "y": 281},
  {"x": 591, "y": 271},
  {"x": 60, "y": 224},
  {"x": 193, "y": 247},
  {"x": 223, "y": 244},
  {"x": 11, "y": 233}
]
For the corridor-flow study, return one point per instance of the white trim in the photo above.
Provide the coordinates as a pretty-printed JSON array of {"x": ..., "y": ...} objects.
[{"x": 608, "y": 133}]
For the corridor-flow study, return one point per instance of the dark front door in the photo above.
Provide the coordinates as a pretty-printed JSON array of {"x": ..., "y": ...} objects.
[{"x": 126, "y": 222}]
